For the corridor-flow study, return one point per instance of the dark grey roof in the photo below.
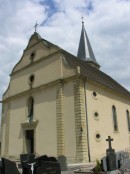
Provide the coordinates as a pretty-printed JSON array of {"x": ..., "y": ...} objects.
[
  {"x": 85, "y": 51},
  {"x": 91, "y": 72},
  {"x": 95, "y": 74}
]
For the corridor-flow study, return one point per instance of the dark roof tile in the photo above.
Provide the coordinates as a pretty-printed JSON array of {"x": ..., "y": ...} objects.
[{"x": 95, "y": 74}]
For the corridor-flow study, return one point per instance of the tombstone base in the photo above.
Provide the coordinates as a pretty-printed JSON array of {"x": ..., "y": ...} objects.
[
  {"x": 114, "y": 172},
  {"x": 111, "y": 161}
]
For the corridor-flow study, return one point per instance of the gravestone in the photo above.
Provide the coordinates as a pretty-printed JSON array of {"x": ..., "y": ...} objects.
[
  {"x": 63, "y": 162},
  {"x": 40, "y": 165},
  {"x": 44, "y": 158},
  {"x": 118, "y": 161},
  {"x": 26, "y": 162},
  {"x": 113, "y": 161},
  {"x": 125, "y": 155},
  {"x": 48, "y": 167},
  {"x": 111, "y": 156},
  {"x": 104, "y": 163},
  {"x": 119, "y": 158},
  {"x": 8, "y": 167},
  {"x": 125, "y": 161}
]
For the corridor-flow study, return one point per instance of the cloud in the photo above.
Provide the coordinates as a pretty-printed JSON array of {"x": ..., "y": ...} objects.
[
  {"x": 17, "y": 19},
  {"x": 107, "y": 24}
]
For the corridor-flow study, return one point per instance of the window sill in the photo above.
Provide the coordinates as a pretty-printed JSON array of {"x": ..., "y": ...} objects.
[
  {"x": 29, "y": 124},
  {"x": 116, "y": 132}
]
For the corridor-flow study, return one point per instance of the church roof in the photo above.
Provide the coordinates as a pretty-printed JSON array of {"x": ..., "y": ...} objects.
[
  {"x": 85, "y": 51},
  {"x": 38, "y": 38},
  {"x": 95, "y": 74},
  {"x": 87, "y": 70}
]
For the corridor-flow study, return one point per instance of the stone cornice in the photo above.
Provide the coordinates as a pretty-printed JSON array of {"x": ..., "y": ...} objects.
[
  {"x": 32, "y": 90},
  {"x": 107, "y": 89},
  {"x": 29, "y": 125}
]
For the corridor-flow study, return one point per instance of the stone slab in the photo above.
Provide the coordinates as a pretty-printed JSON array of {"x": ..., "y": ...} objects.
[
  {"x": 104, "y": 163},
  {"x": 63, "y": 162},
  {"x": 8, "y": 167},
  {"x": 114, "y": 172},
  {"x": 67, "y": 172}
]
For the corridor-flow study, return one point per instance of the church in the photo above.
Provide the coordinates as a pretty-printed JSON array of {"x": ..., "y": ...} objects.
[{"x": 60, "y": 104}]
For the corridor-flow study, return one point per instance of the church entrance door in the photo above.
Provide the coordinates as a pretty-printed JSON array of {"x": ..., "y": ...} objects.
[{"x": 30, "y": 141}]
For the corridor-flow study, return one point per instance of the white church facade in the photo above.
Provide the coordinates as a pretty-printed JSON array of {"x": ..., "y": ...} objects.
[{"x": 59, "y": 104}]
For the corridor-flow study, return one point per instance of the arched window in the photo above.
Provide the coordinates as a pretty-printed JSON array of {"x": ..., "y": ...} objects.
[
  {"x": 114, "y": 118},
  {"x": 128, "y": 119},
  {"x": 30, "y": 108}
]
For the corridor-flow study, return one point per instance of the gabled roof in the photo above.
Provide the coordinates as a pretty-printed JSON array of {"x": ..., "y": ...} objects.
[
  {"x": 35, "y": 38},
  {"x": 85, "y": 51},
  {"x": 87, "y": 70},
  {"x": 95, "y": 74}
]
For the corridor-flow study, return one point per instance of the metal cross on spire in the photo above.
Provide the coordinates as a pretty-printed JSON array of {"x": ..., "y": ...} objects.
[
  {"x": 35, "y": 26},
  {"x": 82, "y": 19}
]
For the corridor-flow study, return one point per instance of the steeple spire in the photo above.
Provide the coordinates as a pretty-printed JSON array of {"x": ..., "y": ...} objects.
[{"x": 85, "y": 51}]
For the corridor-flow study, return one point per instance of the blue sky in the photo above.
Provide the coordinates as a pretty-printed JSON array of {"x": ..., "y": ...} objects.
[{"x": 106, "y": 21}]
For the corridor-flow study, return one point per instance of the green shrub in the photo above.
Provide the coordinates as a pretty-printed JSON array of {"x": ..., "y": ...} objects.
[{"x": 98, "y": 167}]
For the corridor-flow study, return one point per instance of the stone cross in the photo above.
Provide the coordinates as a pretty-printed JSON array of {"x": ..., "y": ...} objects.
[
  {"x": 82, "y": 19},
  {"x": 109, "y": 141}
]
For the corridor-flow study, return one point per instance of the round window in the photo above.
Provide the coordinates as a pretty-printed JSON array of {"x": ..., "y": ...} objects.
[
  {"x": 96, "y": 115},
  {"x": 94, "y": 94},
  {"x": 98, "y": 136},
  {"x": 32, "y": 55},
  {"x": 31, "y": 79}
]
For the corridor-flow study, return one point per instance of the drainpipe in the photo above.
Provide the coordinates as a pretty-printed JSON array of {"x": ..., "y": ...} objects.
[{"x": 89, "y": 158}]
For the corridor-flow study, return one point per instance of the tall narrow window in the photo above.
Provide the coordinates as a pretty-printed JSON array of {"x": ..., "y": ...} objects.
[
  {"x": 114, "y": 118},
  {"x": 128, "y": 119},
  {"x": 30, "y": 108}
]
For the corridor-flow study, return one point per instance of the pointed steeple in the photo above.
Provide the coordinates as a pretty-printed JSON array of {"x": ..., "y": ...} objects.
[{"x": 85, "y": 51}]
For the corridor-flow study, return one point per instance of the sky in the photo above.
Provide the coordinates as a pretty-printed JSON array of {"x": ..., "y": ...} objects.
[{"x": 107, "y": 23}]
